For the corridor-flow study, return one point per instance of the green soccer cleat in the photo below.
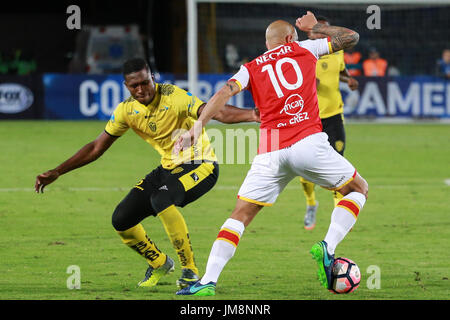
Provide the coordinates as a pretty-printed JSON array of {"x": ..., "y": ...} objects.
[
  {"x": 187, "y": 278},
  {"x": 325, "y": 263},
  {"x": 310, "y": 216},
  {"x": 200, "y": 290},
  {"x": 152, "y": 275}
]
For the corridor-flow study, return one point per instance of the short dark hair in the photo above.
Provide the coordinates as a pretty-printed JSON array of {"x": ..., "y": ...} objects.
[
  {"x": 134, "y": 65},
  {"x": 322, "y": 18}
]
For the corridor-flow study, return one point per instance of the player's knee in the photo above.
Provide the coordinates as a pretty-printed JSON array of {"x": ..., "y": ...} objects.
[
  {"x": 357, "y": 185},
  {"x": 360, "y": 185},
  {"x": 161, "y": 200},
  {"x": 119, "y": 218},
  {"x": 365, "y": 188}
]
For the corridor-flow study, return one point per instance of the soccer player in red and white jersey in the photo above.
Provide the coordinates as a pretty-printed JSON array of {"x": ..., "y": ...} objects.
[{"x": 283, "y": 85}]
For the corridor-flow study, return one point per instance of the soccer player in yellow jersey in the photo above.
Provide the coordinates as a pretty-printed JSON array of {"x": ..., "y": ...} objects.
[
  {"x": 330, "y": 69},
  {"x": 157, "y": 113}
]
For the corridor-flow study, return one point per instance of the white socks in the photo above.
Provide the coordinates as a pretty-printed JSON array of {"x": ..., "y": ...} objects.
[
  {"x": 343, "y": 218},
  {"x": 223, "y": 249}
]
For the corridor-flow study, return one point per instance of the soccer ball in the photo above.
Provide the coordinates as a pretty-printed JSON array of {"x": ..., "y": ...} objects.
[{"x": 346, "y": 276}]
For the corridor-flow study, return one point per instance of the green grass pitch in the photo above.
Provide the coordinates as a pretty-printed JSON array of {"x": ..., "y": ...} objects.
[{"x": 403, "y": 230}]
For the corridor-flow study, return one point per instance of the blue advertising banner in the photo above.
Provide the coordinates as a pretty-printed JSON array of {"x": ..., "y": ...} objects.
[
  {"x": 95, "y": 97},
  {"x": 70, "y": 96},
  {"x": 75, "y": 97},
  {"x": 411, "y": 97}
]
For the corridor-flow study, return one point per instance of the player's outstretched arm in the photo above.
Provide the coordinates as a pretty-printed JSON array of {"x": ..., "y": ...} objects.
[
  {"x": 232, "y": 114},
  {"x": 341, "y": 38},
  {"x": 217, "y": 104},
  {"x": 212, "y": 108},
  {"x": 90, "y": 152}
]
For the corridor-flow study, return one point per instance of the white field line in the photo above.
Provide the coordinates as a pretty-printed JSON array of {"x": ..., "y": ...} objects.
[{"x": 218, "y": 187}]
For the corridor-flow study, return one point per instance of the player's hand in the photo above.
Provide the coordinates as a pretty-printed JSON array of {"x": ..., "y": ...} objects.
[
  {"x": 256, "y": 115},
  {"x": 44, "y": 179},
  {"x": 183, "y": 142},
  {"x": 306, "y": 22},
  {"x": 353, "y": 84}
]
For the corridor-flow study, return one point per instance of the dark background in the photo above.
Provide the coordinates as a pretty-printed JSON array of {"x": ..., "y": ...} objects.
[
  {"x": 39, "y": 28},
  {"x": 411, "y": 38}
]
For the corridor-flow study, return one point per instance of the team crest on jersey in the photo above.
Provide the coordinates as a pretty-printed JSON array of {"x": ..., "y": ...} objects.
[
  {"x": 324, "y": 65},
  {"x": 166, "y": 89},
  {"x": 152, "y": 126}
]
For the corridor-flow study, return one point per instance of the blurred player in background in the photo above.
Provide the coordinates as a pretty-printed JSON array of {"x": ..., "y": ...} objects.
[
  {"x": 155, "y": 112},
  {"x": 330, "y": 69},
  {"x": 283, "y": 85}
]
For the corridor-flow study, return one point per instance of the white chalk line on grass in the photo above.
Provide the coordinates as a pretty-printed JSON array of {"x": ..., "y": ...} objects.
[{"x": 218, "y": 187}]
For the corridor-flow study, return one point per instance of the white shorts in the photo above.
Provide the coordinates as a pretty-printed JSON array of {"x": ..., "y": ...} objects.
[{"x": 312, "y": 158}]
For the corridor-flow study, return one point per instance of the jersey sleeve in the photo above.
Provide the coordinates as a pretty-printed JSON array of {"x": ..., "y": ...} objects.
[
  {"x": 187, "y": 103},
  {"x": 117, "y": 124},
  {"x": 242, "y": 78},
  {"x": 318, "y": 47}
]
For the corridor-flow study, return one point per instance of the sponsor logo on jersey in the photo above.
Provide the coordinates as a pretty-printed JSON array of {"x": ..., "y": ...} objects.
[
  {"x": 133, "y": 112},
  {"x": 293, "y": 105},
  {"x": 299, "y": 118}
]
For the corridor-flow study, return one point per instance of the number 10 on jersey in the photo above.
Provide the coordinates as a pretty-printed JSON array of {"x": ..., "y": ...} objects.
[{"x": 281, "y": 77}]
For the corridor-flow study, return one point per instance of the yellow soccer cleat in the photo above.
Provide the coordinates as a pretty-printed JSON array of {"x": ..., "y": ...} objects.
[{"x": 152, "y": 275}]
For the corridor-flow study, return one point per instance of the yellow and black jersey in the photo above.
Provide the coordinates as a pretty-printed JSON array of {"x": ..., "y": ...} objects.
[
  {"x": 328, "y": 70},
  {"x": 172, "y": 112}
]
